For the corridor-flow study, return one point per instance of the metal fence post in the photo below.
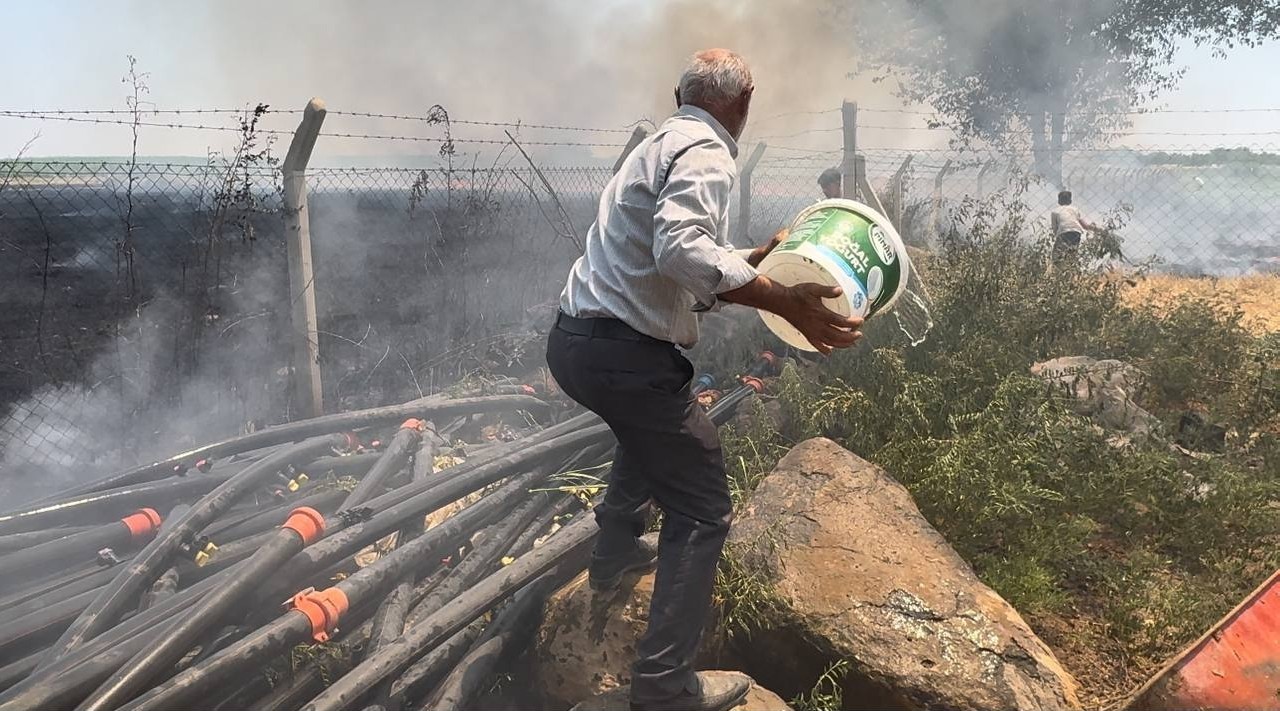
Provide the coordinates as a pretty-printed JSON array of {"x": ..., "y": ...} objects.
[
  {"x": 848, "y": 166},
  {"x": 308, "y": 392},
  {"x": 744, "y": 195},
  {"x": 638, "y": 134}
]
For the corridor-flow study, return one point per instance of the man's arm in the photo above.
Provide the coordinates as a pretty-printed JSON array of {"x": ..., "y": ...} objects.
[
  {"x": 801, "y": 305},
  {"x": 685, "y": 249}
]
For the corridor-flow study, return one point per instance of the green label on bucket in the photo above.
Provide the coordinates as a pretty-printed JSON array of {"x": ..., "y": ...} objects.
[{"x": 857, "y": 245}]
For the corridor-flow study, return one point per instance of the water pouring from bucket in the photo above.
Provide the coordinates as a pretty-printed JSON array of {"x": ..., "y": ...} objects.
[{"x": 842, "y": 243}]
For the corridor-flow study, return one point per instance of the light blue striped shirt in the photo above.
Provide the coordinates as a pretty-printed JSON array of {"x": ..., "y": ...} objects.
[{"x": 659, "y": 252}]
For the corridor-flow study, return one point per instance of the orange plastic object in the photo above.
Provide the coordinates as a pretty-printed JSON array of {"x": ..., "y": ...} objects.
[
  {"x": 307, "y": 523},
  {"x": 322, "y": 608},
  {"x": 414, "y": 424},
  {"x": 754, "y": 383},
  {"x": 770, "y": 358},
  {"x": 1235, "y": 666},
  {"x": 142, "y": 523},
  {"x": 528, "y": 390}
]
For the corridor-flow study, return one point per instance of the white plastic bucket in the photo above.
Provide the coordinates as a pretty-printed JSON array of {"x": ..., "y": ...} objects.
[{"x": 839, "y": 243}]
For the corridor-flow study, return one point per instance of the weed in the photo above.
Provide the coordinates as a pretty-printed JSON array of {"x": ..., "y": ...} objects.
[{"x": 826, "y": 695}]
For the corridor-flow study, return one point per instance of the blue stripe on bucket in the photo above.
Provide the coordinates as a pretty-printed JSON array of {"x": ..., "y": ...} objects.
[
  {"x": 844, "y": 266},
  {"x": 840, "y": 261}
]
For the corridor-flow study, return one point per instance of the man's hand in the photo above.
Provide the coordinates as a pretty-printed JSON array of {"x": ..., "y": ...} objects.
[
  {"x": 824, "y": 328},
  {"x": 759, "y": 253},
  {"x": 802, "y": 307}
]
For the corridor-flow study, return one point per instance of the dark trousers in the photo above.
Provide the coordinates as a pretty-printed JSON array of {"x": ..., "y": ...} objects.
[
  {"x": 668, "y": 452},
  {"x": 1066, "y": 243}
]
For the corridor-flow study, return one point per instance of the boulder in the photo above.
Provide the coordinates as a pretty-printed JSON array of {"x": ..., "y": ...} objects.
[
  {"x": 1101, "y": 389},
  {"x": 587, "y": 641},
  {"x": 758, "y": 699},
  {"x": 851, "y": 571}
]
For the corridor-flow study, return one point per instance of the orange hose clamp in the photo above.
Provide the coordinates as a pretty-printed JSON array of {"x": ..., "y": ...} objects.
[
  {"x": 754, "y": 383},
  {"x": 770, "y": 358},
  {"x": 414, "y": 424},
  {"x": 142, "y": 523},
  {"x": 322, "y": 609},
  {"x": 307, "y": 523}
]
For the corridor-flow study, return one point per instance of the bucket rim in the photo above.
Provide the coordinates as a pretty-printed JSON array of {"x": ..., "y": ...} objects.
[{"x": 882, "y": 222}]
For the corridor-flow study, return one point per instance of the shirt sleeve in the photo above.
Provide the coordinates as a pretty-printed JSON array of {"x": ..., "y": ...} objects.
[{"x": 686, "y": 248}]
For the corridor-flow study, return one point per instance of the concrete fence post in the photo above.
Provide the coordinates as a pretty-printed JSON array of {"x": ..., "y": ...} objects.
[
  {"x": 899, "y": 191},
  {"x": 308, "y": 392},
  {"x": 744, "y": 195},
  {"x": 638, "y": 134},
  {"x": 937, "y": 196},
  {"x": 867, "y": 192},
  {"x": 848, "y": 165}
]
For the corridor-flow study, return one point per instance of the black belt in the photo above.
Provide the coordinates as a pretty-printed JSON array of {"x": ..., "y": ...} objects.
[{"x": 610, "y": 328}]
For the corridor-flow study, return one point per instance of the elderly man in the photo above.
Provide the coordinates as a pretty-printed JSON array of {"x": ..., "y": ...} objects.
[{"x": 656, "y": 256}]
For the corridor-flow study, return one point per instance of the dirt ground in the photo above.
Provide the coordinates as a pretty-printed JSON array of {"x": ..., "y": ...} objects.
[{"x": 1257, "y": 296}]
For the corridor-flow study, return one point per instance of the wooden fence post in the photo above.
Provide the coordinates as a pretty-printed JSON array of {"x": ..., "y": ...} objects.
[
  {"x": 744, "y": 195},
  {"x": 848, "y": 165},
  {"x": 308, "y": 392},
  {"x": 638, "y": 134}
]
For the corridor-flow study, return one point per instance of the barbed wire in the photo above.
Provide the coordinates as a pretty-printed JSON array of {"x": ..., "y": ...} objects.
[
  {"x": 278, "y": 132},
  {"x": 496, "y": 124},
  {"x": 1129, "y": 112},
  {"x": 150, "y": 110}
]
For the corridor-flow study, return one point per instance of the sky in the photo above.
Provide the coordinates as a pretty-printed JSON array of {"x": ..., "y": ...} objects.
[{"x": 601, "y": 64}]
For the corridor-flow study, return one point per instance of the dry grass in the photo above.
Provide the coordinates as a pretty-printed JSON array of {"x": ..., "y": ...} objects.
[{"x": 1257, "y": 296}]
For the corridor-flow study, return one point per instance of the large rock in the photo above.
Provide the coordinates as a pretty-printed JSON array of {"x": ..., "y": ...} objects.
[
  {"x": 758, "y": 699},
  {"x": 587, "y": 642},
  {"x": 851, "y": 571},
  {"x": 1101, "y": 389}
]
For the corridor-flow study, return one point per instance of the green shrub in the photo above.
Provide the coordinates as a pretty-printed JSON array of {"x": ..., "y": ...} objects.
[{"x": 1055, "y": 513}]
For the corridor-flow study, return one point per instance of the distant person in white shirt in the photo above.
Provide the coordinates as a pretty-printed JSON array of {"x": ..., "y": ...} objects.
[{"x": 1068, "y": 225}]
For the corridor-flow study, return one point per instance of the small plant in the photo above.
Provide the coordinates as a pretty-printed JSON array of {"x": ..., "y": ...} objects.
[{"x": 827, "y": 694}]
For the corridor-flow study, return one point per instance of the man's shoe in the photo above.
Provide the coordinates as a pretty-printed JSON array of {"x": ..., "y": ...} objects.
[
  {"x": 607, "y": 575},
  {"x": 717, "y": 691}
]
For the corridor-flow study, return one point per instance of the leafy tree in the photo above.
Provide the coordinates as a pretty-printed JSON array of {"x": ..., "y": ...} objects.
[{"x": 1062, "y": 72}]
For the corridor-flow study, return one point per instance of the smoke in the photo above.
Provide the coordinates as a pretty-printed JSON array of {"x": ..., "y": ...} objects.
[{"x": 560, "y": 61}]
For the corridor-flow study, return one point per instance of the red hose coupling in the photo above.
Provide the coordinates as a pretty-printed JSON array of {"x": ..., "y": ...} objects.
[
  {"x": 770, "y": 358},
  {"x": 307, "y": 523},
  {"x": 414, "y": 424},
  {"x": 754, "y": 383},
  {"x": 353, "y": 442},
  {"x": 142, "y": 523},
  {"x": 322, "y": 609}
]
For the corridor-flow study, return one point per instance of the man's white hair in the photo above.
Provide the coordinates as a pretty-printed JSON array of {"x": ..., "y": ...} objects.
[{"x": 714, "y": 77}]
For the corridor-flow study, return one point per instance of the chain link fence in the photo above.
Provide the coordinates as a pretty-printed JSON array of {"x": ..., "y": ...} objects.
[
  {"x": 1208, "y": 213},
  {"x": 146, "y": 306}
]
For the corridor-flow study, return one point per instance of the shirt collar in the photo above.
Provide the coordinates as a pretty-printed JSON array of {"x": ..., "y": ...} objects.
[{"x": 702, "y": 115}]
